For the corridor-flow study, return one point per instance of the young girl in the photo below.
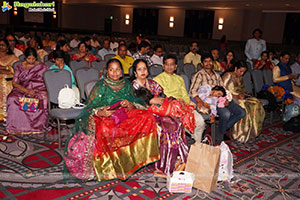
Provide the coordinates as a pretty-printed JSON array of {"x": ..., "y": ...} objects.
[
  {"x": 170, "y": 107},
  {"x": 211, "y": 97}
]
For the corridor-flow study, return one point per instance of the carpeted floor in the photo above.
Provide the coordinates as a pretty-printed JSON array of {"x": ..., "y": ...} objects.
[{"x": 265, "y": 168}]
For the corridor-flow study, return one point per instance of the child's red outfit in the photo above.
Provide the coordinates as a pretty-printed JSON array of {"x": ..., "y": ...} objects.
[{"x": 176, "y": 109}]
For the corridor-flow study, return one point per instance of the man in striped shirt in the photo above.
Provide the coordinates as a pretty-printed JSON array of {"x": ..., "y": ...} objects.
[{"x": 232, "y": 112}]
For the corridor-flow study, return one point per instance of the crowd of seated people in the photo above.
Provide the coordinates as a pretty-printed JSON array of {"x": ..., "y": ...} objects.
[{"x": 153, "y": 131}]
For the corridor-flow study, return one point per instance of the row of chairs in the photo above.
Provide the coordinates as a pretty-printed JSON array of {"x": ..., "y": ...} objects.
[{"x": 55, "y": 80}]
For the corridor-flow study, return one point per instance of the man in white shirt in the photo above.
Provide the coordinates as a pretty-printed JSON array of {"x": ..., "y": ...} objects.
[
  {"x": 296, "y": 68},
  {"x": 113, "y": 44},
  {"x": 254, "y": 47},
  {"x": 26, "y": 38},
  {"x": 74, "y": 43},
  {"x": 12, "y": 43},
  {"x": 157, "y": 57},
  {"x": 105, "y": 50},
  {"x": 94, "y": 42}
]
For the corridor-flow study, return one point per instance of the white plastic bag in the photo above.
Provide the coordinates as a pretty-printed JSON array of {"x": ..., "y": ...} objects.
[
  {"x": 226, "y": 163},
  {"x": 67, "y": 98}
]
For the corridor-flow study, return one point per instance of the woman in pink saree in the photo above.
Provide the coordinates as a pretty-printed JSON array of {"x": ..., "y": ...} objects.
[{"x": 28, "y": 82}]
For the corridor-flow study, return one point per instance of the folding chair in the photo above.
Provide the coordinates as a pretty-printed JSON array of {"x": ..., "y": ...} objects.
[
  {"x": 49, "y": 63},
  {"x": 85, "y": 75},
  {"x": 189, "y": 70},
  {"x": 107, "y": 57},
  {"x": 77, "y": 64},
  {"x": 187, "y": 82},
  {"x": 16, "y": 64},
  {"x": 100, "y": 66},
  {"x": 89, "y": 86},
  {"x": 268, "y": 77},
  {"x": 154, "y": 70},
  {"x": 55, "y": 80}
]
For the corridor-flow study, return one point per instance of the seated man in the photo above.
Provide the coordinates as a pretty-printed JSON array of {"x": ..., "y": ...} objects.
[
  {"x": 157, "y": 57},
  {"x": 105, "y": 50},
  {"x": 143, "y": 50},
  {"x": 174, "y": 86},
  {"x": 75, "y": 41},
  {"x": 231, "y": 113},
  {"x": 283, "y": 75},
  {"x": 126, "y": 61},
  {"x": 193, "y": 57},
  {"x": 296, "y": 68}
]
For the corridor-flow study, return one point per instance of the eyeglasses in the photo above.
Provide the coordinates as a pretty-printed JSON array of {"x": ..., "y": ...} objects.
[
  {"x": 170, "y": 64},
  {"x": 11, "y": 40}
]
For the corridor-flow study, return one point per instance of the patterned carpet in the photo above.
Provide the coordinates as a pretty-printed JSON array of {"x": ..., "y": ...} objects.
[{"x": 265, "y": 168}]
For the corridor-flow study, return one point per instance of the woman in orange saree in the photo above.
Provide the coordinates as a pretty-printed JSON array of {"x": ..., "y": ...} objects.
[
  {"x": 7, "y": 59},
  {"x": 124, "y": 146},
  {"x": 83, "y": 54}
]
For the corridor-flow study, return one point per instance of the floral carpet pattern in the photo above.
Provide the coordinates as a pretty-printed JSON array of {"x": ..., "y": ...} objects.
[{"x": 266, "y": 168}]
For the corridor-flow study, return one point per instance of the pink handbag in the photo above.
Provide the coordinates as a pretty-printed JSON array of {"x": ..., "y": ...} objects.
[
  {"x": 120, "y": 113},
  {"x": 79, "y": 157}
]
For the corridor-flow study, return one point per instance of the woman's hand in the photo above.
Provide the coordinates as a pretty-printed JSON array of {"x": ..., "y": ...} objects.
[
  {"x": 126, "y": 104},
  {"x": 157, "y": 100},
  {"x": 30, "y": 92},
  {"x": 104, "y": 113},
  {"x": 291, "y": 76}
]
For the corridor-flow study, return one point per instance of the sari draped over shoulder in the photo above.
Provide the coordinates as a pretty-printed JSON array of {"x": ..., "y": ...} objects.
[
  {"x": 172, "y": 139},
  {"x": 251, "y": 125},
  {"x": 6, "y": 82},
  {"x": 121, "y": 149},
  {"x": 26, "y": 122},
  {"x": 87, "y": 57}
]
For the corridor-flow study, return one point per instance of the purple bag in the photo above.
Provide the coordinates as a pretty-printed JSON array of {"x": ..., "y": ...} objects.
[{"x": 119, "y": 115}]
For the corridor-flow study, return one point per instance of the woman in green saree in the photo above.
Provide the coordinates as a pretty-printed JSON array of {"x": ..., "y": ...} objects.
[{"x": 123, "y": 147}]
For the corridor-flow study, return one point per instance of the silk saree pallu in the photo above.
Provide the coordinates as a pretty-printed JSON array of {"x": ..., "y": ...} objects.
[{"x": 124, "y": 148}]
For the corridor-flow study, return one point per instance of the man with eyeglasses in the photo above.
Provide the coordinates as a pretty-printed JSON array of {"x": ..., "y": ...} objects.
[
  {"x": 157, "y": 57},
  {"x": 174, "y": 86},
  {"x": 12, "y": 45}
]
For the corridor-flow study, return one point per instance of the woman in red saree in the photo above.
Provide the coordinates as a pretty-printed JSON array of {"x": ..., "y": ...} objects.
[
  {"x": 121, "y": 147},
  {"x": 83, "y": 54}
]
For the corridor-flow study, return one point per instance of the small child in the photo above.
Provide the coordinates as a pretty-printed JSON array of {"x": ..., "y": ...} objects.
[
  {"x": 170, "y": 107},
  {"x": 211, "y": 97}
]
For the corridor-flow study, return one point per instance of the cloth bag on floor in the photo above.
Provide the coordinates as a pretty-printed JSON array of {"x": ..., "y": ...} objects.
[{"x": 204, "y": 161}]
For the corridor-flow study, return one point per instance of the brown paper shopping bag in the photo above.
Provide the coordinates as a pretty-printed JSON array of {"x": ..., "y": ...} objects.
[{"x": 203, "y": 160}]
